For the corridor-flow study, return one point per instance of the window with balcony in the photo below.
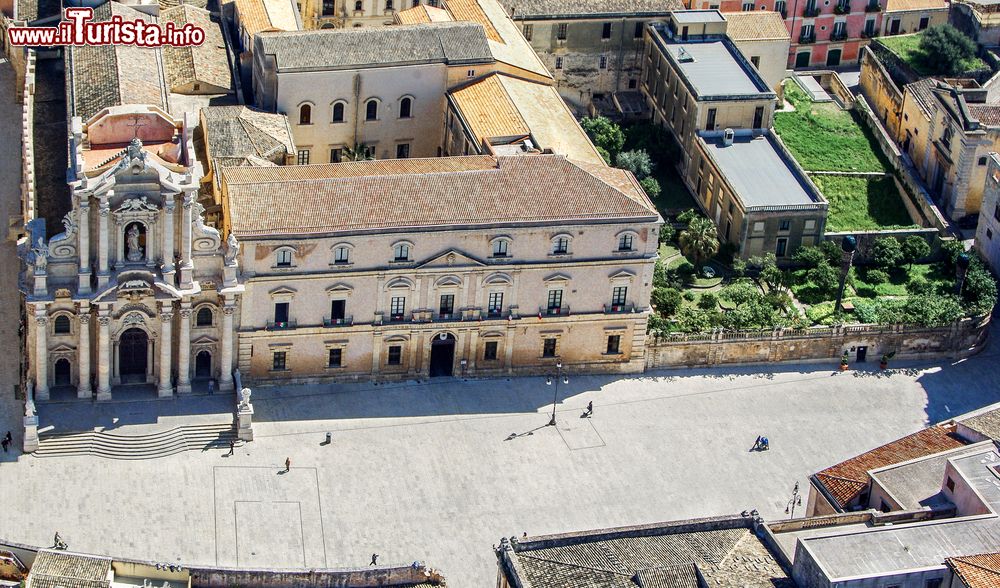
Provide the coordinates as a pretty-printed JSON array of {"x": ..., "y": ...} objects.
[
  {"x": 554, "y": 304},
  {"x": 779, "y": 6},
  {"x": 549, "y": 348},
  {"x": 395, "y": 355},
  {"x": 336, "y": 358},
  {"x": 280, "y": 313},
  {"x": 807, "y": 34},
  {"x": 869, "y": 30},
  {"x": 447, "y": 306},
  {"x": 490, "y": 351},
  {"x": 329, "y": 8},
  {"x": 279, "y": 361},
  {"x": 839, "y": 31},
  {"x": 747, "y": 6},
  {"x": 614, "y": 344},
  {"x": 397, "y": 308},
  {"x": 812, "y": 10},
  {"x": 618, "y": 295},
  {"x": 842, "y": 7},
  {"x": 495, "y": 304},
  {"x": 338, "y": 312}
]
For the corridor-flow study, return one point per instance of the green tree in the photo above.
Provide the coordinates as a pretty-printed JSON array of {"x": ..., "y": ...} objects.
[
  {"x": 769, "y": 272},
  {"x": 980, "y": 289},
  {"x": 945, "y": 49},
  {"x": 636, "y": 161},
  {"x": 700, "y": 240},
  {"x": 887, "y": 253},
  {"x": 834, "y": 254},
  {"x": 809, "y": 256},
  {"x": 708, "y": 301},
  {"x": 651, "y": 186},
  {"x": 359, "y": 152},
  {"x": 915, "y": 248},
  {"x": 687, "y": 216},
  {"x": 667, "y": 232},
  {"x": 605, "y": 134},
  {"x": 666, "y": 300},
  {"x": 825, "y": 277}
]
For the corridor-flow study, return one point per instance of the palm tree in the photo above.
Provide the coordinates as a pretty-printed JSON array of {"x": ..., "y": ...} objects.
[
  {"x": 359, "y": 152},
  {"x": 700, "y": 240}
]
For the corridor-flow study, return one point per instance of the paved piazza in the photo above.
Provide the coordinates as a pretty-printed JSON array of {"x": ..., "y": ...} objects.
[{"x": 426, "y": 471}]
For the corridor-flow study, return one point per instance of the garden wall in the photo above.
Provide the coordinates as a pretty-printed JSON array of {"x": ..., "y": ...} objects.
[{"x": 960, "y": 339}]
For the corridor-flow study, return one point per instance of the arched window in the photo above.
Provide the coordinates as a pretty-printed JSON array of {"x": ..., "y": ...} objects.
[
  {"x": 625, "y": 242},
  {"x": 283, "y": 258},
  {"x": 401, "y": 252},
  {"x": 388, "y": 4},
  {"x": 338, "y": 112},
  {"x": 342, "y": 255},
  {"x": 357, "y": 6},
  {"x": 371, "y": 110},
  {"x": 204, "y": 317},
  {"x": 501, "y": 248},
  {"x": 560, "y": 245},
  {"x": 62, "y": 325},
  {"x": 405, "y": 107},
  {"x": 305, "y": 114}
]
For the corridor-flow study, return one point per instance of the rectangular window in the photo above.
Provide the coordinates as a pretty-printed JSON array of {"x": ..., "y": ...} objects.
[
  {"x": 638, "y": 30},
  {"x": 602, "y": 63},
  {"x": 528, "y": 31},
  {"x": 559, "y": 62},
  {"x": 560, "y": 246},
  {"x": 341, "y": 255},
  {"x": 397, "y": 308},
  {"x": 982, "y": 161},
  {"x": 495, "y": 306},
  {"x": 280, "y": 312},
  {"x": 303, "y": 157},
  {"x": 618, "y": 295},
  {"x": 606, "y": 31},
  {"x": 561, "y": 31},
  {"x": 949, "y": 484},
  {"x": 337, "y": 311},
  {"x": 758, "y": 117},
  {"x": 403, "y": 151},
  {"x": 784, "y": 225},
  {"x": 328, "y": 8},
  {"x": 555, "y": 301},
  {"x": 500, "y": 248},
  {"x": 278, "y": 360},
  {"x": 614, "y": 343},
  {"x": 336, "y": 155},
  {"x": 395, "y": 356},
  {"x": 781, "y": 248},
  {"x": 869, "y": 27},
  {"x": 747, "y": 6},
  {"x": 839, "y": 30},
  {"x": 989, "y": 234},
  {"x": 755, "y": 60},
  {"x": 924, "y": 21},
  {"x": 336, "y": 358},
  {"x": 711, "y": 119},
  {"x": 490, "y": 351},
  {"x": 447, "y": 306},
  {"x": 549, "y": 348}
]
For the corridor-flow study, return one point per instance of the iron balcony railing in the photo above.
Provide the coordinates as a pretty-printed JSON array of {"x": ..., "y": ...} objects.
[
  {"x": 553, "y": 310},
  {"x": 618, "y": 308},
  {"x": 339, "y": 322},
  {"x": 281, "y": 325}
]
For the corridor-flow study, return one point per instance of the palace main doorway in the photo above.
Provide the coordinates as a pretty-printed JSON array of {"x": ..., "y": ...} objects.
[
  {"x": 442, "y": 355},
  {"x": 132, "y": 356}
]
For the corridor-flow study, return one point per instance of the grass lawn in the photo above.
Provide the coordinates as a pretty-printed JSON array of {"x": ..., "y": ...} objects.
[
  {"x": 907, "y": 47},
  {"x": 861, "y": 204},
  {"x": 822, "y": 137},
  {"x": 899, "y": 279}
]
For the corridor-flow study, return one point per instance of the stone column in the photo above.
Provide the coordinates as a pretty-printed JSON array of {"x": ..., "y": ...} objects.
[
  {"x": 102, "y": 245},
  {"x": 165, "y": 388},
  {"x": 83, "y": 355},
  {"x": 168, "y": 236},
  {"x": 41, "y": 354},
  {"x": 103, "y": 354},
  {"x": 83, "y": 249},
  {"x": 184, "y": 350},
  {"x": 226, "y": 361},
  {"x": 186, "y": 263}
]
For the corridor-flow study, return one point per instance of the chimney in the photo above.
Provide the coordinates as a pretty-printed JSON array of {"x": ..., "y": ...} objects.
[{"x": 727, "y": 137}]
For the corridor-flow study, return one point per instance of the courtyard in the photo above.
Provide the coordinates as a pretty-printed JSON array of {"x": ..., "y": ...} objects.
[{"x": 440, "y": 470}]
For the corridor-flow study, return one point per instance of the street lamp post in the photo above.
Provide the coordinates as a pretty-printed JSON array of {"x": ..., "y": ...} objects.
[
  {"x": 848, "y": 245},
  {"x": 795, "y": 500},
  {"x": 555, "y": 391},
  {"x": 961, "y": 269}
]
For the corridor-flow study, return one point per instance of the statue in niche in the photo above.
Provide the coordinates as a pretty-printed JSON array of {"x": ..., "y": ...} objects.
[{"x": 135, "y": 252}]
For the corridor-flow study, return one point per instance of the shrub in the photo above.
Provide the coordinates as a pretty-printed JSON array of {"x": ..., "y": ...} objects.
[
  {"x": 667, "y": 231},
  {"x": 770, "y": 273},
  {"x": 950, "y": 250},
  {"x": 709, "y": 301},
  {"x": 740, "y": 292},
  {"x": 887, "y": 253},
  {"x": 832, "y": 251},
  {"x": 685, "y": 270},
  {"x": 657, "y": 325},
  {"x": 637, "y": 162},
  {"x": 666, "y": 300},
  {"x": 980, "y": 289},
  {"x": 693, "y": 320},
  {"x": 651, "y": 187},
  {"x": 877, "y": 276},
  {"x": 824, "y": 277},
  {"x": 604, "y": 154},
  {"x": 809, "y": 256},
  {"x": 605, "y": 134},
  {"x": 739, "y": 268},
  {"x": 688, "y": 295},
  {"x": 944, "y": 49},
  {"x": 687, "y": 216},
  {"x": 915, "y": 248},
  {"x": 918, "y": 285}
]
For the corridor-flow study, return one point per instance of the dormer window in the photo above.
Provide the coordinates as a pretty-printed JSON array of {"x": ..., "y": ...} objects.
[
  {"x": 283, "y": 258},
  {"x": 401, "y": 252}
]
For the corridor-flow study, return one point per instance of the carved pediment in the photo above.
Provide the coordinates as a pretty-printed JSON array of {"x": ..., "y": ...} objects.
[
  {"x": 340, "y": 288},
  {"x": 451, "y": 258},
  {"x": 557, "y": 278},
  {"x": 203, "y": 340},
  {"x": 622, "y": 275}
]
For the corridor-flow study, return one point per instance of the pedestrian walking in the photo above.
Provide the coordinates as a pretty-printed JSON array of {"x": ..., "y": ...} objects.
[
  {"x": 232, "y": 447},
  {"x": 288, "y": 464},
  {"x": 756, "y": 444},
  {"x": 9, "y": 438},
  {"x": 590, "y": 407},
  {"x": 4, "y": 443},
  {"x": 374, "y": 560}
]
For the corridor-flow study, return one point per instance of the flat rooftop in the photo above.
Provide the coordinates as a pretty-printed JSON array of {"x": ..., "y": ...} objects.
[
  {"x": 916, "y": 484},
  {"x": 759, "y": 172},
  {"x": 696, "y": 16},
  {"x": 713, "y": 69}
]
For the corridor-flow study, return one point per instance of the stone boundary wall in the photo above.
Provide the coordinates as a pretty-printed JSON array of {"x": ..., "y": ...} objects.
[
  {"x": 814, "y": 344},
  {"x": 27, "y": 141},
  {"x": 313, "y": 578}
]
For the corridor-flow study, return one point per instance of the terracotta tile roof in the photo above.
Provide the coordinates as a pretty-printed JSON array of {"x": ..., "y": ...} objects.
[
  {"x": 756, "y": 26},
  {"x": 489, "y": 110},
  {"x": 471, "y": 11},
  {"x": 848, "y": 479},
  {"x": 988, "y": 114},
  {"x": 58, "y": 569},
  {"x": 257, "y": 16},
  {"x": 921, "y": 91},
  {"x": 435, "y": 192},
  {"x": 100, "y": 76},
  {"x": 203, "y": 64},
  {"x": 424, "y": 13},
  {"x": 901, "y": 5},
  {"x": 987, "y": 423},
  {"x": 445, "y": 42},
  {"x": 240, "y": 131},
  {"x": 977, "y": 571},
  {"x": 589, "y": 8}
]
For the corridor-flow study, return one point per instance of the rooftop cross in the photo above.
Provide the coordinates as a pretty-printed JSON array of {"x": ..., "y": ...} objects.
[{"x": 136, "y": 125}]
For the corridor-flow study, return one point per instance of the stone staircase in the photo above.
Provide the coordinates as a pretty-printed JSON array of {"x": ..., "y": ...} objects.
[{"x": 116, "y": 446}]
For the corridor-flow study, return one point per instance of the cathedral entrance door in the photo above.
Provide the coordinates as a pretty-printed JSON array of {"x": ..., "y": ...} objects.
[{"x": 132, "y": 356}]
